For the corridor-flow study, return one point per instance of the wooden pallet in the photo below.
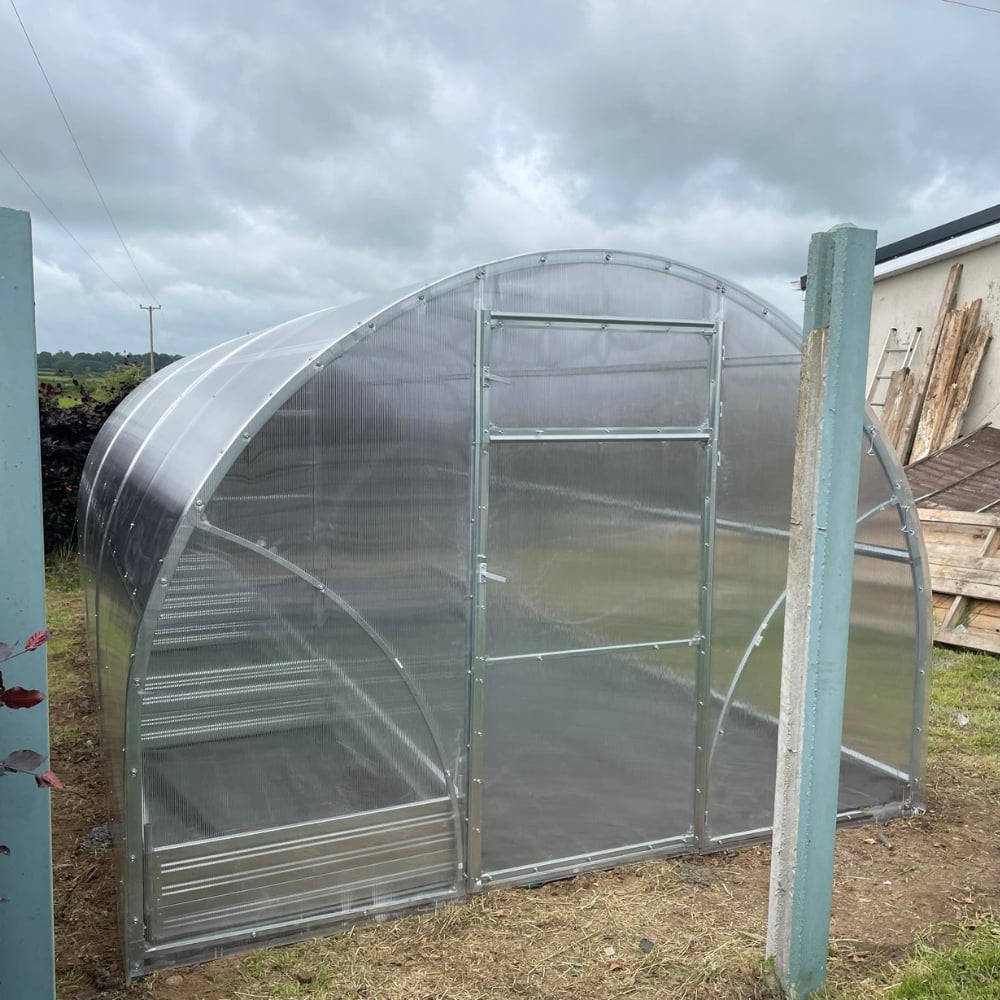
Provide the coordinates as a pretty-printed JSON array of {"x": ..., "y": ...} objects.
[{"x": 963, "y": 548}]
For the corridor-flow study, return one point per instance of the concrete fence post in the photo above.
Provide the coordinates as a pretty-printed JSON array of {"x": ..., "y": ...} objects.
[
  {"x": 818, "y": 606},
  {"x": 26, "y": 942}
]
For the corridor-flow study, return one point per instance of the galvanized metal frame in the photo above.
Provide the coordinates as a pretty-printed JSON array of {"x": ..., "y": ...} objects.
[
  {"x": 600, "y": 322},
  {"x": 485, "y": 435},
  {"x": 140, "y": 958},
  {"x": 477, "y": 667},
  {"x": 909, "y": 523},
  {"x": 627, "y": 647},
  {"x": 703, "y": 667},
  {"x": 510, "y": 435}
]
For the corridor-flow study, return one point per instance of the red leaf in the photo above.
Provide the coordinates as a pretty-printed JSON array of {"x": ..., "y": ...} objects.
[
  {"x": 19, "y": 697},
  {"x": 36, "y": 639},
  {"x": 49, "y": 779}
]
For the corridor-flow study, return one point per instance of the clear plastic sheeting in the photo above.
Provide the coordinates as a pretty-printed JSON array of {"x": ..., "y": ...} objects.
[{"x": 480, "y": 584}]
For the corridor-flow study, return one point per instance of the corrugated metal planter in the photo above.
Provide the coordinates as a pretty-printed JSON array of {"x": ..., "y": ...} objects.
[{"x": 478, "y": 585}]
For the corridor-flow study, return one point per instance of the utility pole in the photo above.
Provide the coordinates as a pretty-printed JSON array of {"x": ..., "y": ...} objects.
[{"x": 152, "y": 363}]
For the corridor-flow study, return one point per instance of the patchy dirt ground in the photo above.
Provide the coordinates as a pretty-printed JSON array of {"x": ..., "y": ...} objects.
[{"x": 686, "y": 928}]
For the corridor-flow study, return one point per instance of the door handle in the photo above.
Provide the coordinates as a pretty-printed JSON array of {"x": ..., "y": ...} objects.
[{"x": 485, "y": 574}]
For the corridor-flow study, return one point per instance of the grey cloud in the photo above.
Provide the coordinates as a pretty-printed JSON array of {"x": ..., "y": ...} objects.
[{"x": 266, "y": 160}]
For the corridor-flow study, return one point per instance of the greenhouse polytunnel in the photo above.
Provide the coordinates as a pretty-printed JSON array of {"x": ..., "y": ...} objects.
[{"x": 481, "y": 584}]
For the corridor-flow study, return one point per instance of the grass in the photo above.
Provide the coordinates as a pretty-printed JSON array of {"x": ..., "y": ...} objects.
[
  {"x": 62, "y": 572},
  {"x": 967, "y": 970},
  {"x": 965, "y": 706},
  {"x": 964, "y": 732}
]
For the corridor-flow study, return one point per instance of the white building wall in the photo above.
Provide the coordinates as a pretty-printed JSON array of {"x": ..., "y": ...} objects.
[{"x": 907, "y": 294}]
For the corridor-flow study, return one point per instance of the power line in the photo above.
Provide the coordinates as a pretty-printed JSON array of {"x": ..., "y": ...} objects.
[
  {"x": 63, "y": 226},
  {"x": 83, "y": 159},
  {"x": 960, "y": 3}
]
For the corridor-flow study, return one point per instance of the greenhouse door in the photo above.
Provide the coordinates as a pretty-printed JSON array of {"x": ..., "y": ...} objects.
[{"x": 597, "y": 449}]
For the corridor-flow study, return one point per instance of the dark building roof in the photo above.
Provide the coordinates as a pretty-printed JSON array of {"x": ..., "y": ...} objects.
[{"x": 931, "y": 237}]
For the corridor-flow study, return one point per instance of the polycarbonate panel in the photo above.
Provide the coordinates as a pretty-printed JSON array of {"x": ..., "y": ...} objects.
[
  {"x": 122, "y": 438},
  {"x": 599, "y": 542},
  {"x": 753, "y": 507},
  {"x": 118, "y": 626},
  {"x": 362, "y": 480},
  {"x": 757, "y": 440},
  {"x": 878, "y": 714},
  {"x": 586, "y": 753},
  {"x": 555, "y": 375},
  {"x": 265, "y": 704}
]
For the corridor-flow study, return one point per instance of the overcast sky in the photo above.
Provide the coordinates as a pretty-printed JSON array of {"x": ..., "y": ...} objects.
[{"x": 263, "y": 160}]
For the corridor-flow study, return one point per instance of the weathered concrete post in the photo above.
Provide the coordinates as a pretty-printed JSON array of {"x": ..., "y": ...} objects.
[
  {"x": 26, "y": 944},
  {"x": 818, "y": 606}
]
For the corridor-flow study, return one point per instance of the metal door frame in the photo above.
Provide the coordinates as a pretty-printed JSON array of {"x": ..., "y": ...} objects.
[{"x": 484, "y": 433}]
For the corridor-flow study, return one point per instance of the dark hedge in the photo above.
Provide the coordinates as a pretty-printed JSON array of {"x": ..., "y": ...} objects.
[{"x": 67, "y": 432}]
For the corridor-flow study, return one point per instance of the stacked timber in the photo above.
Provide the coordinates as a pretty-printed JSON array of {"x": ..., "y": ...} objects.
[
  {"x": 957, "y": 492},
  {"x": 924, "y": 412},
  {"x": 963, "y": 548}
]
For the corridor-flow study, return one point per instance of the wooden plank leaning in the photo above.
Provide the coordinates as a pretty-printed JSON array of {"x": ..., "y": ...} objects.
[{"x": 909, "y": 428}]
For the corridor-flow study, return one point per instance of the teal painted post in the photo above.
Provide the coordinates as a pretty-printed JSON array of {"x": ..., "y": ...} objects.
[
  {"x": 27, "y": 964},
  {"x": 818, "y": 608}
]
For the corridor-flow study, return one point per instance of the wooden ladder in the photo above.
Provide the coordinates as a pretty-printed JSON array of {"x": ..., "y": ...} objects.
[{"x": 893, "y": 346}]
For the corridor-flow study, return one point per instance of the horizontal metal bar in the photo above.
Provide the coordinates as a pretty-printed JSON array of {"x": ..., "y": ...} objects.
[
  {"x": 296, "y": 926},
  {"x": 876, "y": 765},
  {"x": 270, "y": 837},
  {"x": 881, "y": 552},
  {"x": 498, "y": 435},
  {"x": 585, "y": 650},
  {"x": 584, "y": 862},
  {"x": 707, "y": 326},
  {"x": 745, "y": 838}
]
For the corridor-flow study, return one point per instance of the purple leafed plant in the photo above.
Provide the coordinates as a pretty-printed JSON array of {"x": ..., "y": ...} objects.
[{"x": 24, "y": 761}]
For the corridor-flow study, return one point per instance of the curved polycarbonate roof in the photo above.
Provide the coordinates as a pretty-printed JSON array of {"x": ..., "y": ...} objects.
[{"x": 154, "y": 455}]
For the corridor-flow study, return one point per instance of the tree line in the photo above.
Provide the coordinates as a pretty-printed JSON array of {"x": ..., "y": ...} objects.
[{"x": 86, "y": 363}]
